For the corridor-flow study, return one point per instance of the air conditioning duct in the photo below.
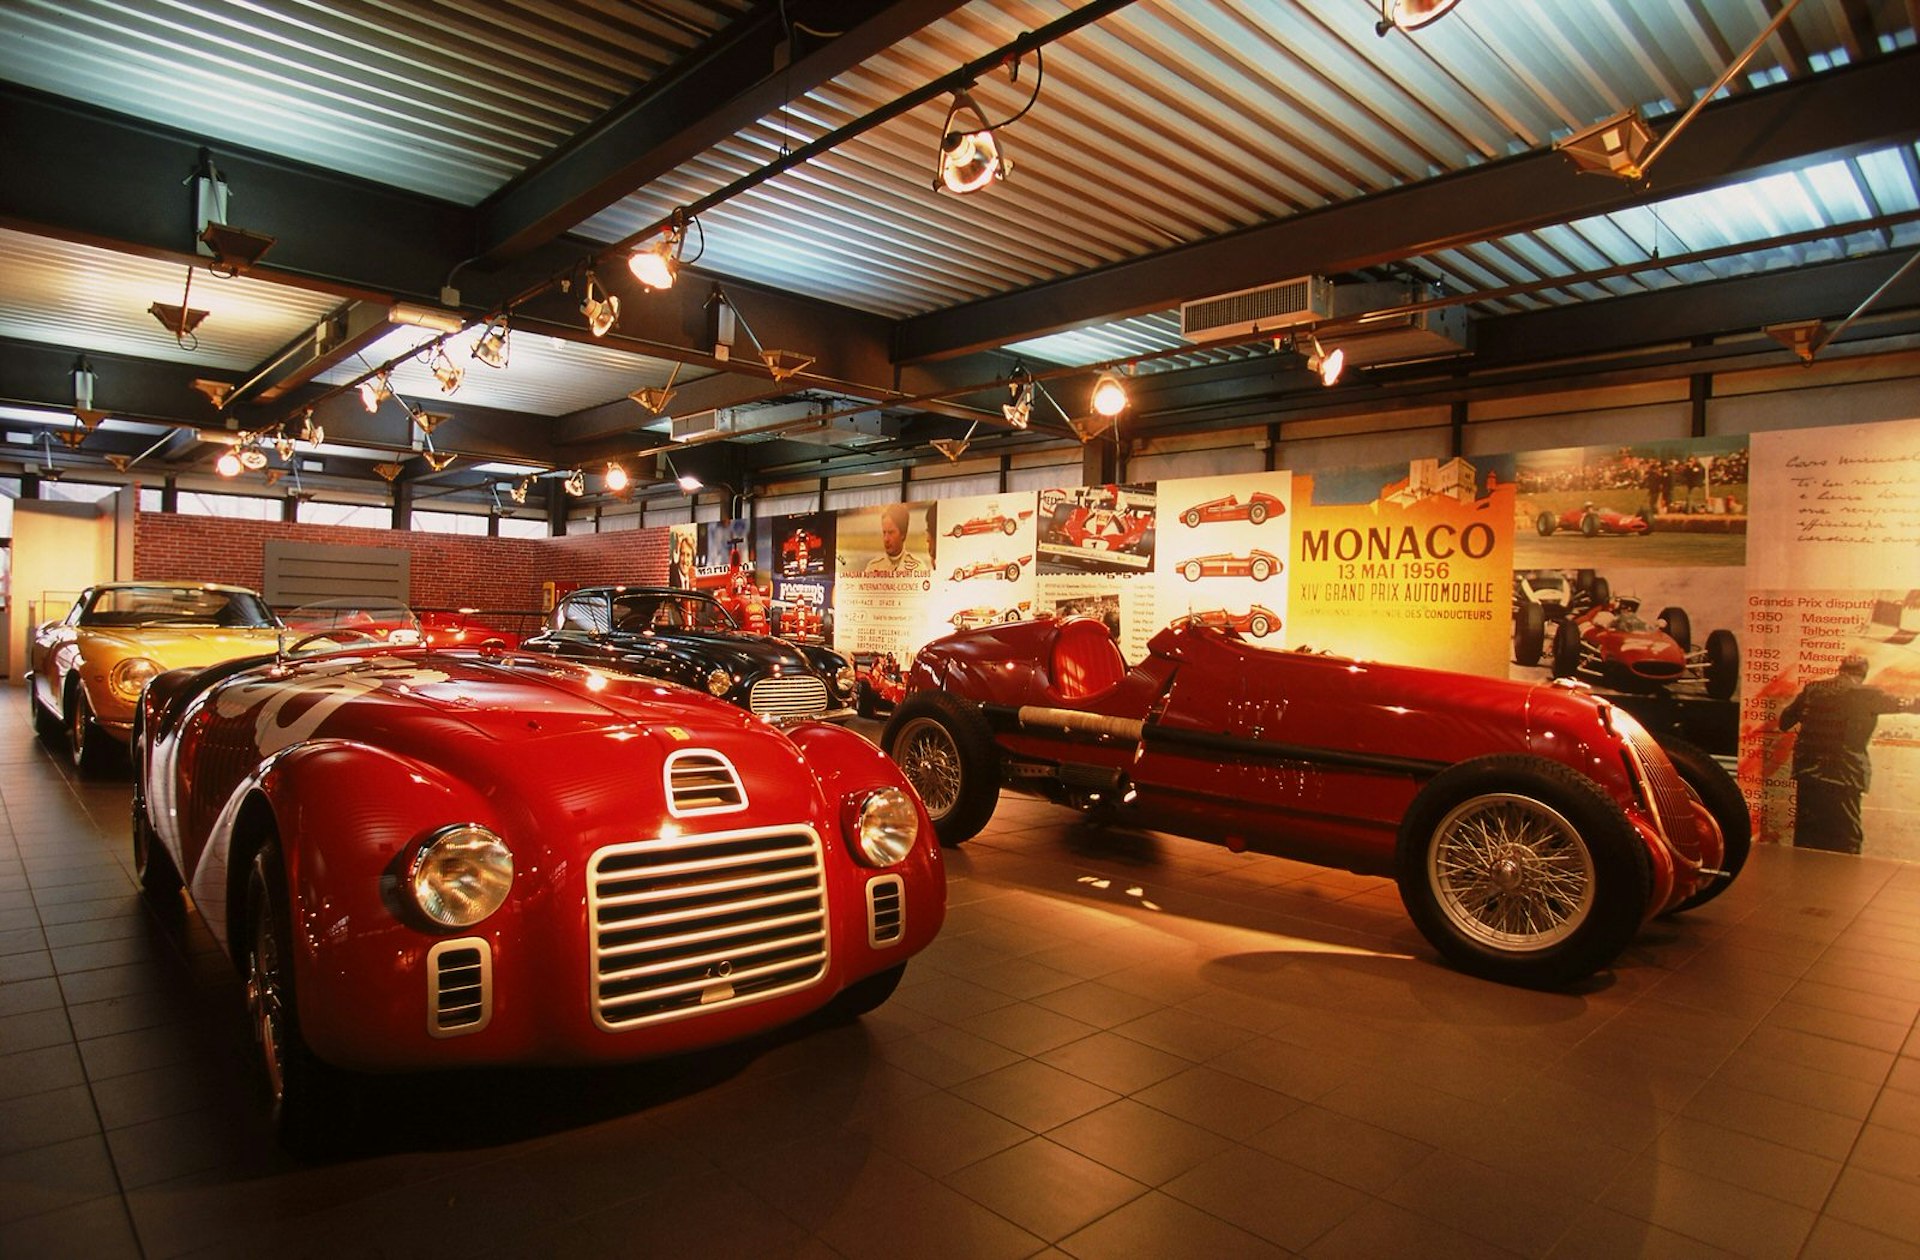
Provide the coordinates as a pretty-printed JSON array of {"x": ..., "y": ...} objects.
[
  {"x": 1252, "y": 312},
  {"x": 1374, "y": 332},
  {"x": 699, "y": 424}
]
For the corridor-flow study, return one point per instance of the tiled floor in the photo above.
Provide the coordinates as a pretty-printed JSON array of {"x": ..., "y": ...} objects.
[{"x": 1122, "y": 1045}]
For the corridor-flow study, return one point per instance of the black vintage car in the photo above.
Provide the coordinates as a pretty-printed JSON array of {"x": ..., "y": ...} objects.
[{"x": 686, "y": 637}]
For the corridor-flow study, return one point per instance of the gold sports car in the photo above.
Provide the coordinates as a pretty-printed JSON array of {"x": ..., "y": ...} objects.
[{"x": 87, "y": 669}]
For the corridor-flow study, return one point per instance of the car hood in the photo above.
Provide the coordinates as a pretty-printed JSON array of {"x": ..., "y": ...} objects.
[
  {"x": 740, "y": 653},
  {"x": 176, "y": 646}
]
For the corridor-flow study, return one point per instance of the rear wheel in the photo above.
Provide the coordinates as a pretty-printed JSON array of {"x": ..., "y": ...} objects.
[
  {"x": 1011, "y": 572},
  {"x": 1191, "y": 517},
  {"x": 1545, "y": 523},
  {"x": 1519, "y": 870},
  {"x": 152, "y": 865},
  {"x": 1529, "y": 633},
  {"x": 1566, "y": 649},
  {"x": 1008, "y": 526},
  {"x": 1723, "y": 665},
  {"x": 1679, "y": 627},
  {"x": 946, "y": 751},
  {"x": 1590, "y": 524},
  {"x": 1191, "y": 570},
  {"x": 306, "y": 1095},
  {"x": 1723, "y": 799}
]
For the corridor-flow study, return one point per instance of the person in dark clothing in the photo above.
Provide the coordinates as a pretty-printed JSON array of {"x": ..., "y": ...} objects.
[{"x": 1836, "y": 717}]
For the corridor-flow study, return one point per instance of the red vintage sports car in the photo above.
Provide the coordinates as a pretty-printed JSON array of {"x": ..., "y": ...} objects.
[
  {"x": 1008, "y": 569},
  {"x": 992, "y": 523},
  {"x": 1590, "y": 521},
  {"x": 1532, "y": 828},
  {"x": 1258, "y": 565},
  {"x": 435, "y": 859},
  {"x": 1257, "y": 621},
  {"x": 1614, "y": 645},
  {"x": 1255, "y": 510}
]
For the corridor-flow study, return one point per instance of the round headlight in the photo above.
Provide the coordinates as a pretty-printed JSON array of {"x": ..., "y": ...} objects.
[
  {"x": 461, "y": 875},
  {"x": 719, "y": 682},
  {"x": 886, "y": 826},
  {"x": 129, "y": 676},
  {"x": 844, "y": 680}
]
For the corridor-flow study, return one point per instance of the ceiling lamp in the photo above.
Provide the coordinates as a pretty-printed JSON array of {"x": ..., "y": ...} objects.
[
  {"x": 519, "y": 491},
  {"x": 283, "y": 447},
  {"x": 388, "y": 470},
  {"x": 952, "y": 448},
  {"x": 234, "y": 249},
  {"x": 439, "y": 461},
  {"x": 445, "y": 370},
  {"x": 179, "y": 320},
  {"x": 656, "y": 398},
  {"x": 601, "y": 308},
  {"x": 375, "y": 390},
  {"x": 576, "y": 483},
  {"x": 1087, "y": 428},
  {"x": 1410, "y": 15},
  {"x": 217, "y": 392},
  {"x": 1019, "y": 411},
  {"x": 252, "y": 458},
  {"x": 228, "y": 465},
  {"x": 1326, "y": 364},
  {"x": 617, "y": 481},
  {"x": 310, "y": 432},
  {"x": 970, "y": 156},
  {"x": 782, "y": 364},
  {"x": 657, "y": 264},
  {"x": 1109, "y": 395},
  {"x": 1621, "y": 145},
  {"x": 491, "y": 348},
  {"x": 428, "y": 421},
  {"x": 1802, "y": 336}
]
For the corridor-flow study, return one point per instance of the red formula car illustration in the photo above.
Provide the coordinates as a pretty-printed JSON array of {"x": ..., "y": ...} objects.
[
  {"x": 800, "y": 552},
  {"x": 1591, "y": 520},
  {"x": 986, "y": 615},
  {"x": 881, "y": 686},
  {"x": 1008, "y": 569},
  {"x": 1613, "y": 645},
  {"x": 1256, "y": 564},
  {"x": 1256, "y": 621},
  {"x": 1532, "y": 827},
  {"x": 1255, "y": 510},
  {"x": 1102, "y": 529},
  {"x": 992, "y": 523}
]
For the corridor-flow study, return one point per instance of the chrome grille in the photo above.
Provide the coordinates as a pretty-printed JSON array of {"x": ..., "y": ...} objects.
[
  {"x": 691, "y": 923},
  {"x": 460, "y": 980},
  {"x": 1670, "y": 798},
  {"x": 886, "y": 910},
  {"x": 788, "y": 697},
  {"x": 701, "y": 781}
]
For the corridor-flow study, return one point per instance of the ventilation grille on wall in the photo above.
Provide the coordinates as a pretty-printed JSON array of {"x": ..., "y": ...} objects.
[{"x": 1269, "y": 308}]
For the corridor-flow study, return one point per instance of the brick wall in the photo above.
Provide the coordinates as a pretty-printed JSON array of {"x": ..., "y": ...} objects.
[{"x": 448, "y": 570}]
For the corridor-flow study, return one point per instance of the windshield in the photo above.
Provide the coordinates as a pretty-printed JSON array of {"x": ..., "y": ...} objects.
[{"x": 177, "y": 606}]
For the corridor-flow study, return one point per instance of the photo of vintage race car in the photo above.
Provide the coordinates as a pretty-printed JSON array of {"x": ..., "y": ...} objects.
[
  {"x": 1256, "y": 621},
  {"x": 985, "y": 615},
  {"x": 1591, "y": 521},
  {"x": 423, "y": 859},
  {"x": 85, "y": 671},
  {"x": 1544, "y": 597},
  {"x": 687, "y": 637},
  {"x": 1532, "y": 828},
  {"x": 1613, "y": 645},
  {"x": 881, "y": 684},
  {"x": 1102, "y": 529},
  {"x": 1258, "y": 565},
  {"x": 1006, "y": 569},
  {"x": 992, "y": 523},
  {"x": 801, "y": 552},
  {"x": 1258, "y": 507}
]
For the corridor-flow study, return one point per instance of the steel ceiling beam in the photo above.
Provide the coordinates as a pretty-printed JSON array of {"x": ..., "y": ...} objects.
[{"x": 1834, "y": 114}]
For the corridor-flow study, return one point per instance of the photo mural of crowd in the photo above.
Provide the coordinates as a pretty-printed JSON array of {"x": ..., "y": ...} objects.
[{"x": 1624, "y": 567}]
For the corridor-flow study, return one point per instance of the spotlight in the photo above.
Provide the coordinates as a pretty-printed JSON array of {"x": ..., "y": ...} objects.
[
  {"x": 1109, "y": 395},
  {"x": 233, "y": 249},
  {"x": 445, "y": 370},
  {"x": 688, "y": 483},
  {"x": 657, "y": 264},
  {"x": 969, "y": 157},
  {"x": 1618, "y": 146},
  {"x": 283, "y": 447},
  {"x": 310, "y": 432},
  {"x": 375, "y": 390},
  {"x": 1019, "y": 412},
  {"x": 601, "y": 308},
  {"x": 252, "y": 458},
  {"x": 1410, "y": 15},
  {"x": 519, "y": 492},
  {"x": 616, "y": 479},
  {"x": 576, "y": 483},
  {"x": 1327, "y": 365},
  {"x": 388, "y": 470},
  {"x": 228, "y": 465},
  {"x": 180, "y": 321},
  {"x": 491, "y": 349}
]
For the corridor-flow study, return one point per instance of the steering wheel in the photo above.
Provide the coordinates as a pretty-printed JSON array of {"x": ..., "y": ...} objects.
[{"x": 340, "y": 635}]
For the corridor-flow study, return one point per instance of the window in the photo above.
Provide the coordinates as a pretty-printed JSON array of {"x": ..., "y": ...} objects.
[
  {"x": 518, "y": 527},
  {"x": 364, "y": 515},
  {"x": 75, "y": 492},
  {"x": 246, "y": 507},
  {"x": 449, "y": 522}
]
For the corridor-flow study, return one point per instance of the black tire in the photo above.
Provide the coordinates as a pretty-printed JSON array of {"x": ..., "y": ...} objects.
[
  {"x": 1723, "y": 665},
  {"x": 1520, "y": 870},
  {"x": 1546, "y": 523},
  {"x": 1646, "y": 518},
  {"x": 1723, "y": 799},
  {"x": 959, "y": 575},
  {"x": 1260, "y": 626},
  {"x": 954, "y": 532},
  {"x": 946, "y": 751},
  {"x": 866, "y": 995},
  {"x": 1529, "y": 633},
  {"x": 1679, "y": 627},
  {"x": 309, "y": 1099},
  {"x": 90, "y": 747},
  {"x": 1566, "y": 649},
  {"x": 153, "y": 866},
  {"x": 1257, "y": 513},
  {"x": 1191, "y": 518},
  {"x": 1590, "y": 524},
  {"x": 863, "y": 701},
  {"x": 1008, "y": 526},
  {"x": 1261, "y": 569},
  {"x": 1190, "y": 570},
  {"x": 1011, "y": 572},
  {"x": 1600, "y": 591}
]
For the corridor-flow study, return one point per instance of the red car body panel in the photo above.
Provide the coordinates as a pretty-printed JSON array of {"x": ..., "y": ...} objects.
[
  {"x": 994, "y": 524},
  {"x": 1008, "y": 569},
  {"x": 1607, "y": 521},
  {"x": 1364, "y": 730},
  {"x": 356, "y": 758},
  {"x": 1102, "y": 529},
  {"x": 1256, "y": 564},
  {"x": 1260, "y": 506},
  {"x": 1257, "y": 620}
]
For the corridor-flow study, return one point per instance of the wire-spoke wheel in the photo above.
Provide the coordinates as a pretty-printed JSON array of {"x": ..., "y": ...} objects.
[
  {"x": 1510, "y": 872},
  {"x": 312, "y": 1107},
  {"x": 947, "y": 754}
]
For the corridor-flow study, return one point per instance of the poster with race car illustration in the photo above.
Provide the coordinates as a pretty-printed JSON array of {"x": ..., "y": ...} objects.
[
  {"x": 1126, "y": 602},
  {"x": 1667, "y": 504},
  {"x": 882, "y": 595},
  {"x": 1837, "y": 534},
  {"x": 1222, "y": 552},
  {"x": 986, "y": 560},
  {"x": 1409, "y": 563},
  {"x": 1096, "y": 529},
  {"x": 801, "y": 545}
]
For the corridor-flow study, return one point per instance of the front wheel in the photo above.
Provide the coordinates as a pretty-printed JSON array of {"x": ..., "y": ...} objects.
[
  {"x": 306, "y": 1095},
  {"x": 1590, "y": 524},
  {"x": 1257, "y": 514},
  {"x": 1260, "y": 626},
  {"x": 946, "y": 751},
  {"x": 1723, "y": 665},
  {"x": 152, "y": 864},
  {"x": 1723, "y": 799},
  {"x": 1566, "y": 649},
  {"x": 1011, "y": 573},
  {"x": 1679, "y": 627},
  {"x": 1545, "y": 523},
  {"x": 1522, "y": 871},
  {"x": 1008, "y": 526},
  {"x": 1261, "y": 569},
  {"x": 1529, "y": 633},
  {"x": 89, "y": 745}
]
